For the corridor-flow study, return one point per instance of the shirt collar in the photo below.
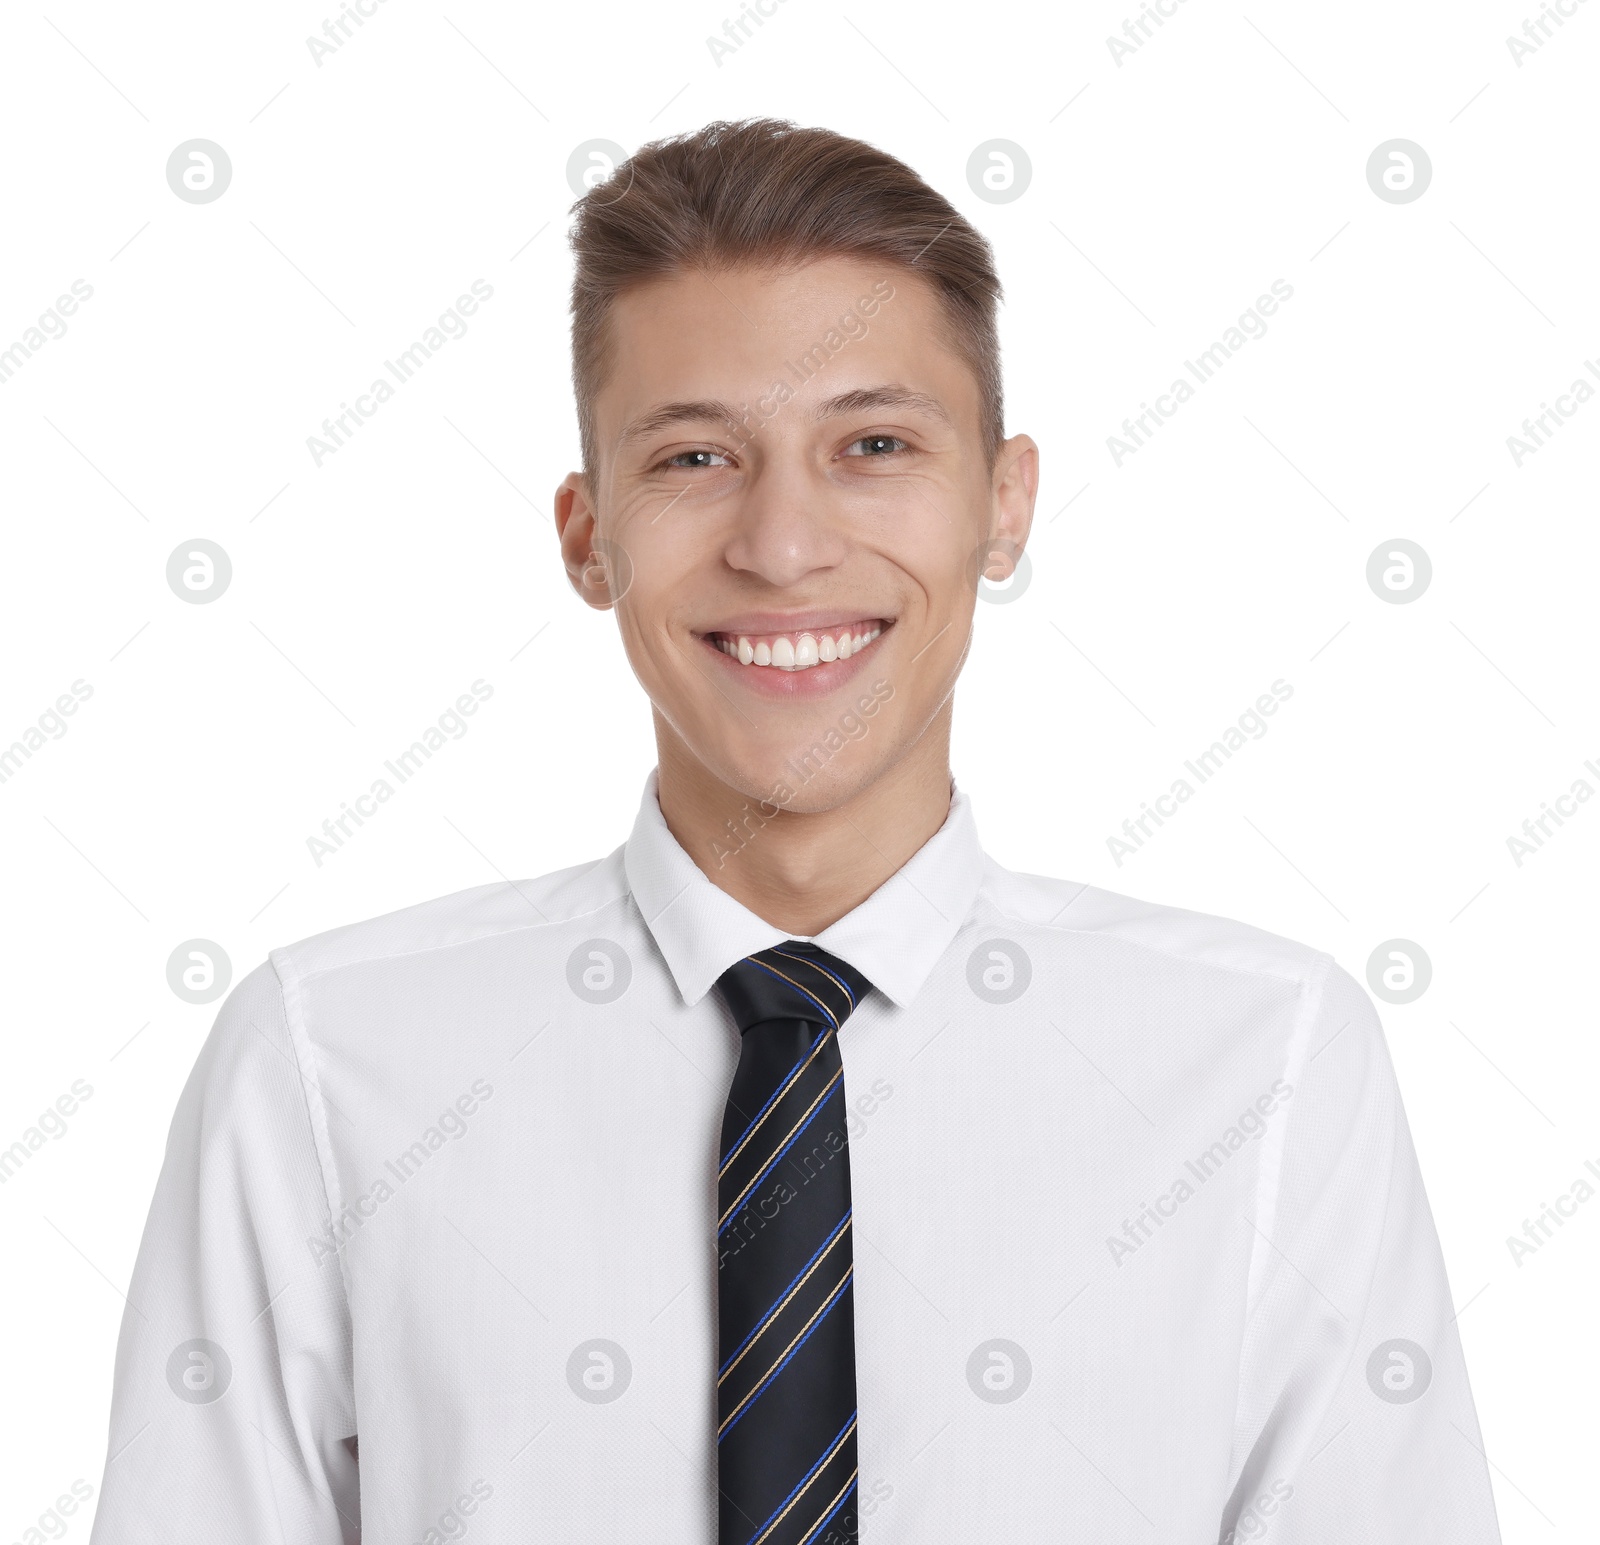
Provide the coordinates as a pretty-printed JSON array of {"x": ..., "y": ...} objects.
[{"x": 894, "y": 937}]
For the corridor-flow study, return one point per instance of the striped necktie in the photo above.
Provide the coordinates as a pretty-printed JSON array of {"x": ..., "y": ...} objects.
[{"x": 786, "y": 1381}]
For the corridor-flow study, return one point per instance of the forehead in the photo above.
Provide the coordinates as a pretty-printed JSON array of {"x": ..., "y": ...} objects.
[{"x": 824, "y": 328}]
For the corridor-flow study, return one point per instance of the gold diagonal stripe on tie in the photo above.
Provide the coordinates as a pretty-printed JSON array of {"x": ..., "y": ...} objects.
[
  {"x": 825, "y": 973},
  {"x": 829, "y": 1507},
  {"x": 738, "y": 1201},
  {"x": 778, "y": 1309},
  {"x": 799, "y": 1336},
  {"x": 833, "y": 1019},
  {"x": 821, "y": 1466},
  {"x": 816, "y": 1051}
]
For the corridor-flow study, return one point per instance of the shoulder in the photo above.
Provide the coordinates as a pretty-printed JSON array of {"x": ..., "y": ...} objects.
[
  {"x": 1069, "y": 910},
  {"x": 1208, "y": 994},
  {"x": 460, "y": 920}
]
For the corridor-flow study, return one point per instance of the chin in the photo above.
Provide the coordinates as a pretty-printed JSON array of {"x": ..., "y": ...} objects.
[{"x": 801, "y": 783}]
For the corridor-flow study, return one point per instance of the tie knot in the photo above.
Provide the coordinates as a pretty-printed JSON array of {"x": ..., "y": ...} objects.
[{"x": 792, "y": 980}]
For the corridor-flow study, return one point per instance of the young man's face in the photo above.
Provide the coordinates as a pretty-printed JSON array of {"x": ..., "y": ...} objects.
[{"x": 791, "y": 463}]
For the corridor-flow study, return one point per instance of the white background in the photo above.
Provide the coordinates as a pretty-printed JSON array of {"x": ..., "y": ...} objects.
[{"x": 1168, "y": 592}]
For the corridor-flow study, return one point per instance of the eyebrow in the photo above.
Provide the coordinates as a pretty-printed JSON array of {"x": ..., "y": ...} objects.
[
  {"x": 889, "y": 396},
  {"x": 666, "y": 414},
  {"x": 709, "y": 410}
]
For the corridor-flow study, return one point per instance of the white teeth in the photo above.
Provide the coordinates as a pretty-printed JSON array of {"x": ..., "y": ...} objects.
[{"x": 798, "y": 653}]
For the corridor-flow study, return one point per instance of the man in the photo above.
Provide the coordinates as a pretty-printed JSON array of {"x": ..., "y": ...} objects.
[{"x": 794, "y": 1173}]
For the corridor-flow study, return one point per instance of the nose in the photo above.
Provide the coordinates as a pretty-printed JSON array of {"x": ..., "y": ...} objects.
[{"x": 786, "y": 526}]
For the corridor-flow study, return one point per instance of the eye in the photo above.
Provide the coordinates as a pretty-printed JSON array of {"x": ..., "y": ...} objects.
[
  {"x": 877, "y": 446},
  {"x": 692, "y": 460}
]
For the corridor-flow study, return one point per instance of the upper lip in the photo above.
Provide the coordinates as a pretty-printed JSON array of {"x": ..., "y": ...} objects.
[{"x": 792, "y": 622}]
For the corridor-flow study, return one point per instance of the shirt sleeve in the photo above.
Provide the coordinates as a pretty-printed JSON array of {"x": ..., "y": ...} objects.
[
  {"x": 1354, "y": 1418},
  {"x": 232, "y": 1413}
]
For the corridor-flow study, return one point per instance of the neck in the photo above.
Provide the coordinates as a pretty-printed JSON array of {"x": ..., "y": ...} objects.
[{"x": 803, "y": 870}]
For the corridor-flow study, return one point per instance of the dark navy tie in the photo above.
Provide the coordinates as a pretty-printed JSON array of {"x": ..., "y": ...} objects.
[{"x": 786, "y": 1377}]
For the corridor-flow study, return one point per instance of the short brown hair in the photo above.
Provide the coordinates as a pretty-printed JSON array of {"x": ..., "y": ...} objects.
[{"x": 765, "y": 191}]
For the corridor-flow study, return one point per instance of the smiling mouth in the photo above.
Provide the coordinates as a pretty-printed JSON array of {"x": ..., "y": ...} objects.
[{"x": 801, "y": 649}]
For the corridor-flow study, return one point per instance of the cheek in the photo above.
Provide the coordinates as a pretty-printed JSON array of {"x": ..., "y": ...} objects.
[
  {"x": 651, "y": 617},
  {"x": 652, "y": 559},
  {"x": 665, "y": 532},
  {"x": 641, "y": 621},
  {"x": 944, "y": 567}
]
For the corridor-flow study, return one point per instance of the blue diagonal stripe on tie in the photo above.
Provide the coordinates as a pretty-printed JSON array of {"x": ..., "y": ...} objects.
[
  {"x": 799, "y": 1131},
  {"x": 760, "y": 1324},
  {"x": 788, "y": 1078},
  {"x": 805, "y": 1480},
  {"x": 844, "y": 1497},
  {"x": 778, "y": 976},
  {"x": 766, "y": 1384},
  {"x": 832, "y": 976}
]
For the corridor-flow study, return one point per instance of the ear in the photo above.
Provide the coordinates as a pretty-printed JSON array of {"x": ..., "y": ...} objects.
[
  {"x": 1015, "y": 488},
  {"x": 577, "y": 528}
]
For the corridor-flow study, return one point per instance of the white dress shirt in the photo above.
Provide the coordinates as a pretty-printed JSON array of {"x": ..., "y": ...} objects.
[{"x": 1142, "y": 1251}]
